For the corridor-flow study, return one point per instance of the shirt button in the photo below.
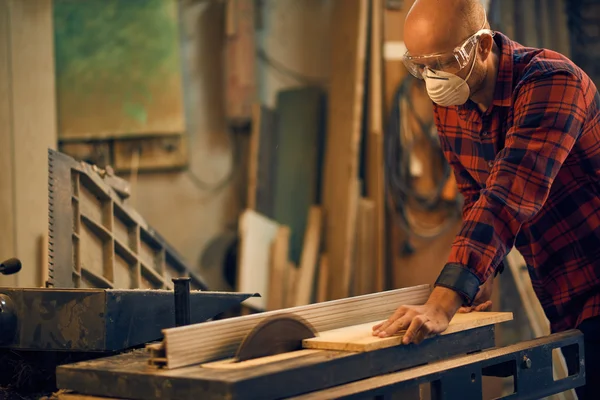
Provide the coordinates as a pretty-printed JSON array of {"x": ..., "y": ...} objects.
[
  {"x": 490, "y": 164},
  {"x": 484, "y": 133}
]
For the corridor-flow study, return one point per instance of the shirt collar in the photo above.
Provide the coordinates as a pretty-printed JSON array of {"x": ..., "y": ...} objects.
[{"x": 504, "y": 81}]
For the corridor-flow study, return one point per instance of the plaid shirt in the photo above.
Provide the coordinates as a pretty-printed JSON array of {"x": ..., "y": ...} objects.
[{"x": 529, "y": 171}]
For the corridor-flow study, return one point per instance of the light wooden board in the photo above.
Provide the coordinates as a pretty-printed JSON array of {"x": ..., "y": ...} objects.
[
  {"x": 7, "y": 205},
  {"x": 214, "y": 340},
  {"x": 33, "y": 110},
  {"x": 345, "y": 110},
  {"x": 231, "y": 363},
  {"x": 365, "y": 273},
  {"x": 278, "y": 269},
  {"x": 360, "y": 337},
  {"x": 257, "y": 234},
  {"x": 310, "y": 256},
  {"x": 375, "y": 162},
  {"x": 323, "y": 278}
]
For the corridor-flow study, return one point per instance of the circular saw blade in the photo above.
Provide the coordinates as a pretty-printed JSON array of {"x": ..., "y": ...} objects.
[{"x": 277, "y": 334}]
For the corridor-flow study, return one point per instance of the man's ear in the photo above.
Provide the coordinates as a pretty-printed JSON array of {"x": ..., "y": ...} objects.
[{"x": 485, "y": 46}]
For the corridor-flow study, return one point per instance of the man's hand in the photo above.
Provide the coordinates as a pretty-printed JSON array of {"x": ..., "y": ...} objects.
[
  {"x": 423, "y": 321},
  {"x": 482, "y": 300}
]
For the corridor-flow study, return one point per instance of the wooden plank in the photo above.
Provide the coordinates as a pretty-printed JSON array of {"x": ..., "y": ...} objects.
[
  {"x": 278, "y": 269},
  {"x": 298, "y": 160},
  {"x": 33, "y": 129},
  {"x": 360, "y": 338},
  {"x": 375, "y": 161},
  {"x": 291, "y": 284},
  {"x": 240, "y": 54},
  {"x": 310, "y": 255},
  {"x": 348, "y": 48},
  {"x": 232, "y": 363},
  {"x": 257, "y": 233},
  {"x": 323, "y": 279},
  {"x": 197, "y": 343},
  {"x": 7, "y": 206},
  {"x": 253, "y": 155},
  {"x": 262, "y": 161}
]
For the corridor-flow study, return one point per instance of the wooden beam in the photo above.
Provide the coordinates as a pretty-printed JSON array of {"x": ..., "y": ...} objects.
[
  {"x": 310, "y": 257},
  {"x": 198, "y": 343},
  {"x": 345, "y": 110},
  {"x": 375, "y": 161},
  {"x": 28, "y": 129}
]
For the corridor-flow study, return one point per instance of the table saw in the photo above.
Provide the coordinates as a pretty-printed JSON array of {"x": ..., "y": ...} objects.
[
  {"x": 142, "y": 325},
  {"x": 325, "y": 351}
]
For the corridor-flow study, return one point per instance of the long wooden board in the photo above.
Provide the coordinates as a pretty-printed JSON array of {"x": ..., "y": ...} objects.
[
  {"x": 209, "y": 341},
  {"x": 360, "y": 337},
  {"x": 345, "y": 113}
]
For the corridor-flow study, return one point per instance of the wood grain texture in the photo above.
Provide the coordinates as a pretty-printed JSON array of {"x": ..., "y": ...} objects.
[
  {"x": 310, "y": 257},
  {"x": 360, "y": 338},
  {"x": 365, "y": 274},
  {"x": 278, "y": 269},
  {"x": 323, "y": 278},
  {"x": 348, "y": 48},
  {"x": 7, "y": 206},
  {"x": 231, "y": 363},
  {"x": 198, "y": 343},
  {"x": 375, "y": 161},
  {"x": 257, "y": 234},
  {"x": 33, "y": 126}
]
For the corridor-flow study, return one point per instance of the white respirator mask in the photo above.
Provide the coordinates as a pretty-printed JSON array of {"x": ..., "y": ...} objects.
[{"x": 447, "y": 89}]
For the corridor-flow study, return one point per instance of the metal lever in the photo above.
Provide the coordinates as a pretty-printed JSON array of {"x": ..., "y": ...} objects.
[
  {"x": 182, "y": 301},
  {"x": 10, "y": 266}
]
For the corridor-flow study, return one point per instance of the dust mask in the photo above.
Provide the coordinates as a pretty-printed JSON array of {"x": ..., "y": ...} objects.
[{"x": 446, "y": 89}]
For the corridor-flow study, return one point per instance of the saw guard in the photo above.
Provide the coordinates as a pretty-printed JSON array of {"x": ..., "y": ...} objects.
[{"x": 277, "y": 334}]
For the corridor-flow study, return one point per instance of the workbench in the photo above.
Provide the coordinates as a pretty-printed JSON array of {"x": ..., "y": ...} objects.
[{"x": 453, "y": 364}]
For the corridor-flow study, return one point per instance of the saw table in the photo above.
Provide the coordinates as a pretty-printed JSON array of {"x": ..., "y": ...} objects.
[{"x": 323, "y": 351}]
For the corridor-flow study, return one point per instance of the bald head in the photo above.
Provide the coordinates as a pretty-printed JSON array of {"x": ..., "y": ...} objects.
[{"x": 434, "y": 26}]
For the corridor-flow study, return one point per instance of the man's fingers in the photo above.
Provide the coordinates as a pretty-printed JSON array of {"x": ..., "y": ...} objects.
[
  {"x": 484, "y": 306},
  {"x": 383, "y": 326},
  {"x": 414, "y": 328},
  {"x": 465, "y": 310},
  {"x": 396, "y": 326}
]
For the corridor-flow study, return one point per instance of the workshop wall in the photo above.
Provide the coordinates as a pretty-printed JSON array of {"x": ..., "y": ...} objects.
[{"x": 200, "y": 220}]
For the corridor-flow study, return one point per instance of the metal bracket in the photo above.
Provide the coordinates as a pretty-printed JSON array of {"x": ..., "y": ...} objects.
[{"x": 529, "y": 363}]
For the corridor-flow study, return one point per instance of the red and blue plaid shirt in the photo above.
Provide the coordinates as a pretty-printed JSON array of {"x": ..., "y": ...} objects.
[{"x": 529, "y": 171}]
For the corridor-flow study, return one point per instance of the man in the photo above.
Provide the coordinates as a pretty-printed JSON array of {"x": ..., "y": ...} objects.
[{"x": 521, "y": 129}]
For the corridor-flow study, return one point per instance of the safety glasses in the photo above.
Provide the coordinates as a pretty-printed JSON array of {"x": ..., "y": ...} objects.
[{"x": 451, "y": 62}]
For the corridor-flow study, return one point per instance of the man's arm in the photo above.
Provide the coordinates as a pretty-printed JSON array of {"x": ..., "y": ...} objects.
[{"x": 549, "y": 114}]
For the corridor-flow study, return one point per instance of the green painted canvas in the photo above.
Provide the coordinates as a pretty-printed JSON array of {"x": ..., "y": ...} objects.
[{"x": 118, "y": 68}]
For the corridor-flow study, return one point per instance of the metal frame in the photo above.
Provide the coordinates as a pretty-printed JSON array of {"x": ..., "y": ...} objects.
[
  {"x": 529, "y": 363},
  {"x": 129, "y": 376},
  {"x": 97, "y": 240}
]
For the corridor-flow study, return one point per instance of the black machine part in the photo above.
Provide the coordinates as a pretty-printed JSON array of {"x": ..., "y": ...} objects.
[
  {"x": 277, "y": 334},
  {"x": 99, "y": 320},
  {"x": 10, "y": 266}
]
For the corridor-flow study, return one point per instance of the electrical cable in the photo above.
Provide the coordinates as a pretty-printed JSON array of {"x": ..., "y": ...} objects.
[{"x": 402, "y": 196}]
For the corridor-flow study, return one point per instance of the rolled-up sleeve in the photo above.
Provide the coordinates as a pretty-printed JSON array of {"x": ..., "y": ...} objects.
[{"x": 549, "y": 113}]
